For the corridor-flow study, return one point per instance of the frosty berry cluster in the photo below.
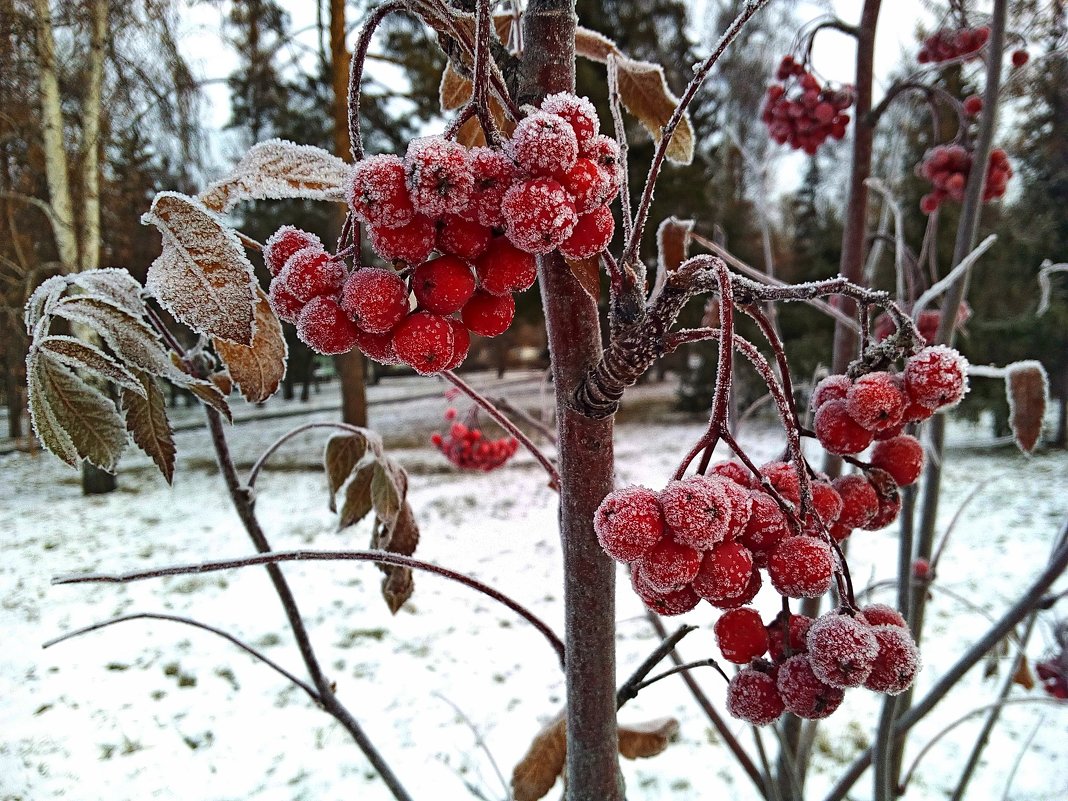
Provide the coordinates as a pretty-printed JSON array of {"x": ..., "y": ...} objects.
[
  {"x": 947, "y": 44},
  {"x": 813, "y": 662},
  {"x": 467, "y": 448},
  {"x": 947, "y": 167},
  {"x": 802, "y": 113},
  {"x": 461, "y": 228}
]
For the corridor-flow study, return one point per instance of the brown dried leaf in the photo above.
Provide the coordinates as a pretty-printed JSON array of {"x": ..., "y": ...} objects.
[
  {"x": 202, "y": 277},
  {"x": 88, "y": 417},
  {"x": 645, "y": 93},
  {"x": 398, "y": 585},
  {"x": 594, "y": 46},
  {"x": 146, "y": 420},
  {"x": 342, "y": 453},
  {"x": 258, "y": 369},
  {"x": 1023, "y": 675},
  {"x": 1027, "y": 388},
  {"x": 673, "y": 242},
  {"x": 389, "y": 487},
  {"x": 82, "y": 356},
  {"x": 455, "y": 89},
  {"x": 222, "y": 382},
  {"x": 357, "y": 501},
  {"x": 278, "y": 169},
  {"x": 641, "y": 740},
  {"x": 588, "y": 273},
  {"x": 536, "y": 773}
]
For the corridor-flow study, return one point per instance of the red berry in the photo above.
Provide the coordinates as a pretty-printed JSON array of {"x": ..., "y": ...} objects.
[
  {"x": 767, "y": 523},
  {"x": 798, "y": 626},
  {"x": 283, "y": 243},
  {"x": 375, "y": 299},
  {"x": 675, "y": 602},
  {"x": 733, "y": 470},
  {"x": 589, "y": 184},
  {"x": 875, "y": 401},
  {"x": 841, "y": 649},
  {"x": 504, "y": 269},
  {"x": 325, "y": 328},
  {"x": 973, "y": 105},
  {"x": 753, "y": 696},
  {"x": 439, "y": 176},
  {"x": 424, "y": 341},
  {"x": 493, "y": 174},
  {"x": 901, "y": 457},
  {"x": 837, "y": 431},
  {"x": 461, "y": 237},
  {"x": 377, "y": 193},
  {"x": 826, "y": 502},
  {"x": 783, "y": 477},
  {"x": 697, "y": 511},
  {"x": 669, "y": 566},
  {"x": 543, "y": 144},
  {"x": 929, "y": 203},
  {"x": 577, "y": 111},
  {"x": 741, "y": 505},
  {"x": 605, "y": 151},
  {"x": 591, "y": 234},
  {"x": 488, "y": 315},
  {"x": 461, "y": 343},
  {"x": 310, "y": 273},
  {"x": 538, "y": 215},
  {"x": 1020, "y": 57},
  {"x": 378, "y": 347},
  {"x": 411, "y": 243},
  {"x": 741, "y": 636},
  {"x": 833, "y": 387},
  {"x": 742, "y": 598},
  {"x": 859, "y": 501},
  {"x": 443, "y": 285},
  {"x": 628, "y": 523},
  {"x": 897, "y": 661},
  {"x": 801, "y": 567},
  {"x": 889, "y": 499},
  {"x": 936, "y": 377},
  {"x": 804, "y": 694},
  {"x": 883, "y": 615},
  {"x": 725, "y": 572},
  {"x": 284, "y": 303},
  {"x": 921, "y": 569}
]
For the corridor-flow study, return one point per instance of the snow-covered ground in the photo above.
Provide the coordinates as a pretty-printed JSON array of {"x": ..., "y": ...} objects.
[{"x": 151, "y": 709}]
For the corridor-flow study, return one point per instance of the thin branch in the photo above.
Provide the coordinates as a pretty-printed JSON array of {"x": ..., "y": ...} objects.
[
  {"x": 479, "y": 740},
  {"x": 630, "y": 687},
  {"x": 952, "y": 277},
  {"x": 257, "y": 468},
  {"x": 687, "y": 666}
]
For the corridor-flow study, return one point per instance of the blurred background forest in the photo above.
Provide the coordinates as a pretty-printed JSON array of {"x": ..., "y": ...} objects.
[{"x": 100, "y": 109}]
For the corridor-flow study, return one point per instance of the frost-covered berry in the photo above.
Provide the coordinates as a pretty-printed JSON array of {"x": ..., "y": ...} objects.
[
  {"x": 742, "y": 598},
  {"x": 538, "y": 215},
  {"x": 439, "y": 176},
  {"x": 833, "y": 387},
  {"x": 697, "y": 511},
  {"x": 841, "y": 650},
  {"x": 801, "y": 567},
  {"x": 777, "y": 642},
  {"x": 767, "y": 523},
  {"x": 875, "y": 402},
  {"x": 783, "y": 477},
  {"x": 375, "y": 299},
  {"x": 577, "y": 111},
  {"x": 826, "y": 502},
  {"x": 411, "y": 243},
  {"x": 543, "y": 144},
  {"x": 733, "y": 470},
  {"x": 897, "y": 662},
  {"x": 725, "y": 572},
  {"x": 488, "y": 315},
  {"x": 741, "y": 635},
  {"x": 310, "y": 273},
  {"x": 325, "y": 328},
  {"x": 424, "y": 342},
  {"x": 859, "y": 501},
  {"x": 462, "y": 237},
  {"x": 493, "y": 174},
  {"x": 378, "y": 347},
  {"x": 740, "y": 502},
  {"x": 889, "y": 499},
  {"x": 589, "y": 184},
  {"x": 461, "y": 344},
  {"x": 284, "y": 303},
  {"x": 591, "y": 234},
  {"x": 837, "y": 431},
  {"x": 628, "y": 523},
  {"x": 883, "y": 615},
  {"x": 283, "y": 243},
  {"x": 936, "y": 377},
  {"x": 377, "y": 193},
  {"x": 804, "y": 694},
  {"x": 675, "y": 602},
  {"x": 504, "y": 268},
  {"x": 901, "y": 457},
  {"x": 443, "y": 285},
  {"x": 669, "y": 565},
  {"x": 605, "y": 151},
  {"x": 753, "y": 696}
]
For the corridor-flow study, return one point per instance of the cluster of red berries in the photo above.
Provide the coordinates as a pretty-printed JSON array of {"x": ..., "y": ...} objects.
[
  {"x": 466, "y": 448},
  {"x": 947, "y": 44},
  {"x": 1054, "y": 678},
  {"x": 927, "y": 324},
  {"x": 813, "y": 662},
  {"x": 484, "y": 212},
  {"x": 801, "y": 113},
  {"x": 947, "y": 168}
]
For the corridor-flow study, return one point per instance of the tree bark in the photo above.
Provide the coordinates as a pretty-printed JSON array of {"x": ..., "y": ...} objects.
[
  {"x": 585, "y": 459},
  {"x": 89, "y": 249}
]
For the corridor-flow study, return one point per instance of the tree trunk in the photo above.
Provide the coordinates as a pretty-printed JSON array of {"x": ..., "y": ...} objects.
[
  {"x": 89, "y": 236},
  {"x": 349, "y": 365}
]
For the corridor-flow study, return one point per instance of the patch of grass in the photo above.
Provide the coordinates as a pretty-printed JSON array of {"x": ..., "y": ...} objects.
[{"x": 353, "y": 636}]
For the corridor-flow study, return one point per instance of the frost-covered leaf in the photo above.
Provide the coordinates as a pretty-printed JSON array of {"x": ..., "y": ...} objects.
[
  {"x": 202, "y": 277},
  {"x": 454, "y": 90},
  {"x": 114, "y": 285},
  {"x": 389, "y": 487},
  {"x": 222, "y": 382},
  {"x": 1027, "y": 388},
  {"x": 645, "y": 94},
  {"x": 45, "y": 424},
  {"x": 536, "y": 773},
  {"x": 588, "y": 273},
  {"x": 41, "y": 301},
  {"x": 343, "y": 452},
  {"x": 642, "y": 740},
  {"x": 146, "y": 420},
  {"x": 402, "y": 538},
  {"x": 257, "y": 369},
  {"x": 278, "y": 169},
  {"x": 594, "y": 46},
  {"x": 357, "y": 498},
  {"x": 86, "y": 415},
  {"x": 673, "y": 247},
  {"x": 83, "y": 356}
]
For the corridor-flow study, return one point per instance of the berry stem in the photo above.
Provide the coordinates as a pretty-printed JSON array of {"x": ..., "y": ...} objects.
[
  {"x": 686, "y": 666},
  {"x": 257, "y": 468},
  {"x": 614, "y": 104},
  {"x": 506, "y": 424},
  {"x": 359, "y": 58}
]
